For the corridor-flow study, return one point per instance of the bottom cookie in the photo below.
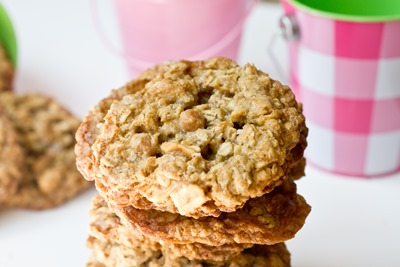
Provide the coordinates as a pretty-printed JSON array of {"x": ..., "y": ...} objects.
[{"x": 111, "y": 254}]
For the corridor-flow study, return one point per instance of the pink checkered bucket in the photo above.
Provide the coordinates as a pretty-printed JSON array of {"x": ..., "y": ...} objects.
[{"x": 345, "y": 69}]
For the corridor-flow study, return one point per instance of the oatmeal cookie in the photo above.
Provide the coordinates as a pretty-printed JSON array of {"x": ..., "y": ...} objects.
[
  {"x": 6, "y": 72},
  {"x": 196, "y": 138},
  {"x": 270, "y": 219},
  {"x": 110, "y": 253},
  {"x": 89, "y": 128},
  {"x": 105, "y": 225},
  {"x": 46, "y": 132},
  {"x": 11, "y": 159}
]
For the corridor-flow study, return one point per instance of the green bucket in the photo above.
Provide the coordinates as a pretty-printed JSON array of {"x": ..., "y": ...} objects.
[
  {"x": 7, "y": 36},
  {"x": 352, "y": 10}
]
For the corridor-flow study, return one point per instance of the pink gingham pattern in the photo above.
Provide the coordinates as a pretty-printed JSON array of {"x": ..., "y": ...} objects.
[{"x": 347, "y": 75}]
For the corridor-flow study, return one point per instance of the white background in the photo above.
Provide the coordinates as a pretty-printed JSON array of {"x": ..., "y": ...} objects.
[{"x": 353, "y": 222}]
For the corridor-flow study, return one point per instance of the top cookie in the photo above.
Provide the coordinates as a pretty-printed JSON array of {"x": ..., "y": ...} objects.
[{"x": 199, "y": 138}]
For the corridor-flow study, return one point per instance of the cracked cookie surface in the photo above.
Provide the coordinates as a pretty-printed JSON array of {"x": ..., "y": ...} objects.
[
  {"x": 195, "y": 138},
  {"x": 46, "y": 133}
]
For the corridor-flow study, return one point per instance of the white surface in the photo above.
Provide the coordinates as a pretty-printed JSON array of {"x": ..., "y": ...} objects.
[{"x": 353, "y": 222}]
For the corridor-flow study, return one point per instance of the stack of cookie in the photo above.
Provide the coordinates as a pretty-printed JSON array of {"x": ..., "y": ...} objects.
[
  {"x": 37, "y": 160},
  {"x": 195, "y": 165}
]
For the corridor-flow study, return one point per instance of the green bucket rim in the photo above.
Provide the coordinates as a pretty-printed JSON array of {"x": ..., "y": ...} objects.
[
  {"x": 7, "y": 36},
  {"x": 343, "y": 16}
]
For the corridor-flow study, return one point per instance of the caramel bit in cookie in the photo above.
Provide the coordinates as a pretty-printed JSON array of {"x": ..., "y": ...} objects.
[
  {"x": 142, "y": 144},
  {"x": 188, "y": 197},
  {"x": 190, "y": 120}
]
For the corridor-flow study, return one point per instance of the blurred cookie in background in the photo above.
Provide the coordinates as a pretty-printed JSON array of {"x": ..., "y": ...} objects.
[
  {"x": 46, "y": 132},
  {"x": 6, "y": 72},
  {"x": 11, "y": 159}
]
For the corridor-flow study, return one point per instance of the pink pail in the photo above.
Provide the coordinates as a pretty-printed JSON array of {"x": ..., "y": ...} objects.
[
  {"x": 154, "y": 31},
  {"x": 346, "y": 72}
]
